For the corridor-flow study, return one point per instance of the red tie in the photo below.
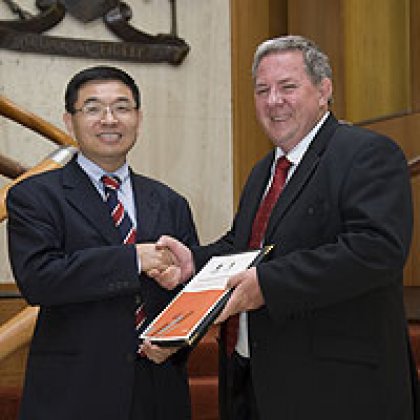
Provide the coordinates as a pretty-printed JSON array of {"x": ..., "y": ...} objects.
[
  {"x": 125, "y": 226},
  {"x": 120, "y": 217},
  {"x": 259, "y": 227}
]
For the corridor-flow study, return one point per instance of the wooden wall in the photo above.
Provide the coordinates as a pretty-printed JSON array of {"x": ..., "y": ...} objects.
[
  {"x": 251, "y": 23},
  {"x": 373, "y": 47},
  {"x": 367, "y": 42}
]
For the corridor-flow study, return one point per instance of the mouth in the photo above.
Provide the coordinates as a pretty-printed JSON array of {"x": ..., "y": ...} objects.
[
  {"x": 109, "y": 137},
  {"x": 279, "y": 118}
]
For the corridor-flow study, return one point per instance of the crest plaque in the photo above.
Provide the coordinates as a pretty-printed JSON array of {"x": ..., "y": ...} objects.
[{"x": 25, "y": 34}]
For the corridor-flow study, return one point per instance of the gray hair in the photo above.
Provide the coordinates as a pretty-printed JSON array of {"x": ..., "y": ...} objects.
[{"x": 316, "y": 62}]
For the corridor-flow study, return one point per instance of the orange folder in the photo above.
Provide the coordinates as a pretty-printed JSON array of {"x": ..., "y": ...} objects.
[{"x": 189, "y": 315}]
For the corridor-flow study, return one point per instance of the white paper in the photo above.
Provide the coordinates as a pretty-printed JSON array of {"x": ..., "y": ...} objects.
[{"x": 218, "y": 270}]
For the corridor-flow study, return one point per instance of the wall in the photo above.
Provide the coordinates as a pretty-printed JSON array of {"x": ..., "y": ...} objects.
[
  {"x": 186, "y": 138},
  {"x": 368, "y": 45}
]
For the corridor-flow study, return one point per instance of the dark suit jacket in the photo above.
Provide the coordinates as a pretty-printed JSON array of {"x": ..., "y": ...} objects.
[
  {"x": 67, "y": 257},
  {"x": 331, "y": 341}
]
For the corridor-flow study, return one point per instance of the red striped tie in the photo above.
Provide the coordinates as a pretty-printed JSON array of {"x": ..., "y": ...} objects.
[
  {"x": 124, "y": 224},
  {"x": 120, "y": 217},
  {"x": 259, "y": 227}
]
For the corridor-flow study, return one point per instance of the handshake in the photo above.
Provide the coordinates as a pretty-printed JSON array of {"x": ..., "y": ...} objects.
[{"x": 168, "y": 261}]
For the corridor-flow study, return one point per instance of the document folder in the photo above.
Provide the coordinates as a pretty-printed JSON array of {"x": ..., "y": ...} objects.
[{"x": 192, "y": 311}]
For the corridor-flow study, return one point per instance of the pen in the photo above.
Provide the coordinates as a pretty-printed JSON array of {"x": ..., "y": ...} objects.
[
  {"x": 164, "y": 325},
  {"x": 173, "y": 323}
]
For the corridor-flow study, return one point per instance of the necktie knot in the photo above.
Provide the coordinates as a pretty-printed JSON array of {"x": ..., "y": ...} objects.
[
  {"x": 111, "y": 181},
  {"x": 283, "y": 164}
]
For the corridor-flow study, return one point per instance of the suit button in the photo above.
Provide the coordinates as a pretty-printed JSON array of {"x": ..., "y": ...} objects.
[{"x": 130, "y": 357}]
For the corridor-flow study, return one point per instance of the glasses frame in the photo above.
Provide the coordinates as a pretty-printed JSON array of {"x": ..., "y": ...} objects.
[{"x": 104, "y": 109}]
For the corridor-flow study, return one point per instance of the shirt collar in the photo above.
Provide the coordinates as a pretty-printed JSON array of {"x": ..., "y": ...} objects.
[
  {"x": 296, "y": 154},
  {"x": 95, "y": 172}
]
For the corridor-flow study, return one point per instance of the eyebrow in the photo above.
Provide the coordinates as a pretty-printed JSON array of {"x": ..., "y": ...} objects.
[
  {"x": 96, "y": 99},
  {"x": 287, "y": 79}
]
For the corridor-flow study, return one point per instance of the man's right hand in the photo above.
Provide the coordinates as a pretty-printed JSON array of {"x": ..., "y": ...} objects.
[
  {"x": 181, "y": 269},
  {"x": 154, "y": 258}
]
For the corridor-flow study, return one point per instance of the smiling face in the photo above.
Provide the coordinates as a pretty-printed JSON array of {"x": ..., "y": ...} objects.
[
  {"x": 105, "y": 138},
  {"x": 288, "y": 104}
]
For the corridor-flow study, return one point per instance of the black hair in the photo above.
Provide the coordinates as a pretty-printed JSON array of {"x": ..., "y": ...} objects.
[{"x": 98, "y": 73}]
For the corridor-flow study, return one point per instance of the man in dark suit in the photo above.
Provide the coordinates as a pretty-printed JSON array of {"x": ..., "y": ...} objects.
[
  {"x": 69, "y": 258},
  {"x": 322, "y": 330}
]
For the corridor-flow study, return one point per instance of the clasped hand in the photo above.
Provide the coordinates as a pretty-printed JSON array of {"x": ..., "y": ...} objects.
[
  {"x": 168, "y": 262},
  {"x": 155, "y": 261}
]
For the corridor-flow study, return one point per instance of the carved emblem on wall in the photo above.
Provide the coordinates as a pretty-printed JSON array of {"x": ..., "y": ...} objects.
[{"x": 26, "y": 32}]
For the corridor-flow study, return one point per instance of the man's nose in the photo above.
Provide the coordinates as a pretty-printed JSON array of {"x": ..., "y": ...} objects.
[
  {"x": 108, "y": 115},
  {"x": 275, "y": 96}
]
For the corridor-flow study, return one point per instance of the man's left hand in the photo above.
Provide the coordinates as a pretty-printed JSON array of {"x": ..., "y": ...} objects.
[
  {"x": 246, "y": 295},
  {"x": 155, "y": 353}
]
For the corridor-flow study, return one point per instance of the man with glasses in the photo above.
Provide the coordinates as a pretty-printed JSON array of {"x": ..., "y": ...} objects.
[{"x": 81, "y": 242}]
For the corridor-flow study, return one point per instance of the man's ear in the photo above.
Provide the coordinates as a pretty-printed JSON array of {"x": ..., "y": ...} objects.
[
  {"x": 67, "y": 118},
  {"x": 325, "y": 91}
]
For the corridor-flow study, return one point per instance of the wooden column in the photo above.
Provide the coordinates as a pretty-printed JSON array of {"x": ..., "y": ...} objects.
[
  {"x": 251, "y": 23},
  {"x": 323, "y": 22},
  {"x": 414, "y": 24}
]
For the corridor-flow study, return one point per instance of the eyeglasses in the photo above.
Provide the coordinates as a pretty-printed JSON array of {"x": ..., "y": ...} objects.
[{"x": 97, "y": 110}]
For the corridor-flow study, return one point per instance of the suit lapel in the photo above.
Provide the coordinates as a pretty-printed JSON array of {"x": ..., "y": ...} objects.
[
  {"x": 302, "y": 174},
  {"x": 84, "y": 198}
]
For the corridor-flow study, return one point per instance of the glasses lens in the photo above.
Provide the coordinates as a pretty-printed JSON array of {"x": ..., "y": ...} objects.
[
  {"x": 98, "y": 109},
  {"x": 121, "y": 108},
  {"x": 93, "y": 109}
]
